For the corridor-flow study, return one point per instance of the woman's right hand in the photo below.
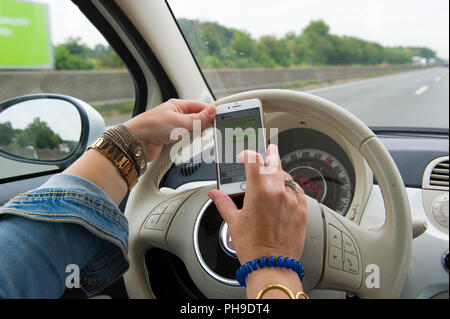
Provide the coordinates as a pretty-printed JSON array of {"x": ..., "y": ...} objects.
[{"x": 273, "y": 218}]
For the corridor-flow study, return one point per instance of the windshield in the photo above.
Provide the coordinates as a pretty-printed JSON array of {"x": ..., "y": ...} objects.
[{"x": 385, "y": 61}]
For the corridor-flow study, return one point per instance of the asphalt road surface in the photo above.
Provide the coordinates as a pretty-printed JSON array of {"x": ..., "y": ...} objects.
[{"x": 412, "y": 99}]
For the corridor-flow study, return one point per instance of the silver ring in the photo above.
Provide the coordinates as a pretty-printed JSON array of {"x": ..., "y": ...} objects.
[{"x": 292, "y": 184}]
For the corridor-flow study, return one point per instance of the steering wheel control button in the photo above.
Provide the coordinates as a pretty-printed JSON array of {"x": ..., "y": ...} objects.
[
  {"x": 151, "y": 222},
  {"x": 173, "y": 206},
  {"x": 162, "y": 222},
  {"x": 351, "y": 263},
  {"x": 335, "y": 258},
  {"x": 349, "y": 246},
  {"x": 244, "y": 186},
  {"x": 335, "y": 237},
  {"x": 160, "y": 209}
]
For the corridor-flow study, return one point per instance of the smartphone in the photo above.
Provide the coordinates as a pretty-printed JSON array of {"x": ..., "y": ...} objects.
[{"x": 238, "y": 126}]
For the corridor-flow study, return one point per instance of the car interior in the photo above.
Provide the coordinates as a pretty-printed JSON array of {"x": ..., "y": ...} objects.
[{"x": 378, "y": 203}]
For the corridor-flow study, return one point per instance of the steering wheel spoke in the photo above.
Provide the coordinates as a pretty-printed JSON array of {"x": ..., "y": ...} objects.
[
  {"x": 343, "y": 264},
  {"x": 156, "y": 225}
]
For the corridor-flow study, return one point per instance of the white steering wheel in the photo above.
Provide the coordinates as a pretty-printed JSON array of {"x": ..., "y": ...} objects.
[{"x": 338, "y": 253}]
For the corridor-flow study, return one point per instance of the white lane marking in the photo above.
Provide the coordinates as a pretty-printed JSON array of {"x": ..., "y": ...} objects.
[
  {"x": 356, "y": 82},
  {"x": 437, "y": 79},
  {"x": 421, "y": 90}
]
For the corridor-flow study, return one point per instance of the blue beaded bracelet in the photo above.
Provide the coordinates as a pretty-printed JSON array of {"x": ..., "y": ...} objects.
[{"x": 250, "y": 266}]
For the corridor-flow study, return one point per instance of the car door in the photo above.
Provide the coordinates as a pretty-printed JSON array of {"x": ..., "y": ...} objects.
[
  {"x": 90, "y": 63},
  {"x": 52, "y": 48}
]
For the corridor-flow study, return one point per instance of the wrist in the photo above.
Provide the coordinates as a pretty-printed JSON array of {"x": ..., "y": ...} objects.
[
  {"x": 142, "y": 129},
  {"x": 104, "y": 174},
  {"x": 259, "y": 279},
  {"x": 272, "y": 261}
]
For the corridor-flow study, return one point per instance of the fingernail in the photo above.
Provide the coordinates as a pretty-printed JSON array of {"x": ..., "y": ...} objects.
[
  {"x": 211, "y": 110},
  {"x": 240, "y": 158}
]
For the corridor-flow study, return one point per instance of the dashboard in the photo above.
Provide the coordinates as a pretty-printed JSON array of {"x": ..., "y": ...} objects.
[
  {"x": 323, "y": 163},
  {"x": 320, "y": 166},
  {"x": 334, "y": 173},
  {"x": 314, "y": 160}
]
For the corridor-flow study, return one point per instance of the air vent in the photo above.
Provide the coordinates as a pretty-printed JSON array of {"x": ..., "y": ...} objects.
[
  {"x": 439, "y": 175},
  {"x": 436, "y": 174},
  {"x": 189, "y": 168}
]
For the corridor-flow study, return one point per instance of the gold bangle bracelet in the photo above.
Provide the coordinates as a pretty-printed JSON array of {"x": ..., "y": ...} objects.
[
  {"x": 275, "y": 286},
  {"x": 118, "y": 158},
  {"x": 282, "y": 288},
  {"x": 301, "y": 293}
]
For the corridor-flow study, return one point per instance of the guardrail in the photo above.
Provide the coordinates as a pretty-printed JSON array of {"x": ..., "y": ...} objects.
[
  {"x": 225, "y": 82},
  {"x": 117, "y": 86},
  {"x": 89, "y": 86}
]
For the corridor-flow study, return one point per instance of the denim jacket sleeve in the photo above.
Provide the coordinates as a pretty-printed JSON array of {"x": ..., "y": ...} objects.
[{"x": 67, "y": 222}]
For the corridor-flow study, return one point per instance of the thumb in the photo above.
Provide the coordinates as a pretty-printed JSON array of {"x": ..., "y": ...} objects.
[
  {"x": 225, "y": 205},
  {"x": 205, "y": 116}
]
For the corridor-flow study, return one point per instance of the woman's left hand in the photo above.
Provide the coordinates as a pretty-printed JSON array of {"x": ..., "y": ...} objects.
[{"x": 154, "y": 128}]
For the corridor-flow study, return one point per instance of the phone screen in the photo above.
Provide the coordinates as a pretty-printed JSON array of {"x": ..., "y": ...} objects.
[{"x": 237, "y": 131}]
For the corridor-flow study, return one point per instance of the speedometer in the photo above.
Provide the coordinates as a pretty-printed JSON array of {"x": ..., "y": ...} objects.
[{"x": 322, "y": 176}]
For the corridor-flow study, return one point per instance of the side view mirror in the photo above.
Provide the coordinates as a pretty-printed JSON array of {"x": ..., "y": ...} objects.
[{"x": 47, "y": 129}]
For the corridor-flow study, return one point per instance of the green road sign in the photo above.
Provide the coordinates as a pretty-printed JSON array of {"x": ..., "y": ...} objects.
[{"x": 24, "y": 36}]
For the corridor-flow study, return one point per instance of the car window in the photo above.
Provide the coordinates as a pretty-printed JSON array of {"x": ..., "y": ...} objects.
[
  {"x": 51, "y": 47},
  {"x": 384, "y": 61}
]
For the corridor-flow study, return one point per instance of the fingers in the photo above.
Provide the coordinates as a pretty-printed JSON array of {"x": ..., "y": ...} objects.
[
  {"x": 273, "y": 162},
  {"x": 224, "y": 204},
  {"x": 298, "y": 192},
  {"x": 189, "y": 106},
  {"x": 205, "y": 117},
  {"x": 253, "y": 164},
  {"x": 191, "y": 111}
]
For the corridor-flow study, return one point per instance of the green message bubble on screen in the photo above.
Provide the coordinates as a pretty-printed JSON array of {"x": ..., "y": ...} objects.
[
  {"x": 248, "y": 121},
  {"x": 24, "y": 35}
]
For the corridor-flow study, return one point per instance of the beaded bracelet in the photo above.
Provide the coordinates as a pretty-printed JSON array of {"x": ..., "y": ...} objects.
[{"x": 250, "y": 266}]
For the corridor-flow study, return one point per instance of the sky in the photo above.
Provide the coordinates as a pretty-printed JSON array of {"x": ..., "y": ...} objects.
[
  {"x": 388, "y": 22},
  {"x": 64, "y": 120}
]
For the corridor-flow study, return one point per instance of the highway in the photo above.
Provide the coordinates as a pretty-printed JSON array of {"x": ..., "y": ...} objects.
[{"x": 411, "y": 99}]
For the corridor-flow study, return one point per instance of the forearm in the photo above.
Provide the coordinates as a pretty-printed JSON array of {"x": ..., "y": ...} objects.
[
  {"x": 152, "y": 129},
  {"x": 34, "y": 264},
  {"x": 261, "y": 278},
  {"x": 98, "y": 169},
  {"x": 68, "y": 220}
]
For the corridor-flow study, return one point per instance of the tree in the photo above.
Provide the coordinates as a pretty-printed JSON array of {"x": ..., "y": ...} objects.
[
  {"x": 373, "y": 53},
  {"x": 39, "y": 135},
  {"x": 424, "y": 52},
  {"x": 399, "y": 55},
  {"x": 276, "y": 49},
  {"x": 216, "y": 46},
  {"x": 105, "y": 57},
  {"x": 6, "y": 133},
  {"x": 318, "y": 40},
  {"x": 317, "y": 27},
  {"x": 244, "y": 49},
  {"x": 72, "y": 55}
]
